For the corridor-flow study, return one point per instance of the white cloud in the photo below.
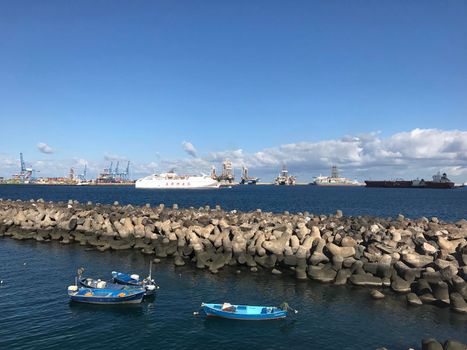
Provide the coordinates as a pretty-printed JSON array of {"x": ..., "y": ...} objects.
[
  {"x": 113, "y": 157},
  {"x": 420, "y": 152},
  {"x": 44, "y": 148},
  {"x": 189, "y": 148}
]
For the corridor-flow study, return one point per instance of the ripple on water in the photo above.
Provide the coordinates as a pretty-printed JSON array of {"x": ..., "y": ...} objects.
[{"x": 36, "y": 312}]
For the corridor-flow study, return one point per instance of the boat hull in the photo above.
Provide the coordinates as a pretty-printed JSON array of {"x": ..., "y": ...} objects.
[
  {"x": 108, "y": 297},
  {"x": 245, "y": 312},
  {"x": 409, "y": 184},
  {"x": 176, "y": 183}
]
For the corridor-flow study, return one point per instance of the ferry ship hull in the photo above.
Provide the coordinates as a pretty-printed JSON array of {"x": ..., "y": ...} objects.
[{"x": 187, "y": 182}]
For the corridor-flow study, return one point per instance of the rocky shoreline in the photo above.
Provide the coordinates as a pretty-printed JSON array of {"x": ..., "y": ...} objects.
[{"x": 426, "y": 259}]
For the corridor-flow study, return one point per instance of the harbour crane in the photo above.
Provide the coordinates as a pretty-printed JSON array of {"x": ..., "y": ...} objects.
[
  {"x": 82, "y": 176},
  {"x": 127, "y": 171},
  {"x": 26, "y": 174}
]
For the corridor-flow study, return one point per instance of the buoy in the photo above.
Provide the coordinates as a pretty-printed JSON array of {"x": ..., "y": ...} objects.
[
  {"x": 195, "y": 313},
  {"x": 24, "y": 263}
]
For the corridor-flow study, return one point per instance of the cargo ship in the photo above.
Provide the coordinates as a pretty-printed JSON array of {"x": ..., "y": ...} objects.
[{"x": 439, "y": 181}]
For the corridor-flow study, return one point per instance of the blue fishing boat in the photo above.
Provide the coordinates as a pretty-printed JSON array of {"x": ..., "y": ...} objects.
[
  {"x": 105, "y": 296},
  {"x": 127, "y": 279},
  {"x": 246, "y": 312},
  {"x": 134, "y": 280}
]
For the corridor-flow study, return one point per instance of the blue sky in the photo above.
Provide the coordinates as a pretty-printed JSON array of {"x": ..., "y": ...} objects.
[{"x": 96, "y": 80}]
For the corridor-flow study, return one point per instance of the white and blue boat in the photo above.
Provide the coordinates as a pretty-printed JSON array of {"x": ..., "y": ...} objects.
[
  {"x": 245, "y": 312},
  {"x": 134, "y": 280},
  {"x": 105, "y": 296}
]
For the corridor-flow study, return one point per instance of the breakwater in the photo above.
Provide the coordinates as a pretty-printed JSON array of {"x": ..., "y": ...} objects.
[{"x": 424, "y": 258}]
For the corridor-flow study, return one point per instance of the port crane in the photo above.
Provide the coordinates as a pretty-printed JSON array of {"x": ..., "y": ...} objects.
[
  {"x": 114, "y": 175},
  {"x": 82, "y": 176},
  {"x": 121, "y": 175},
  {"x": 126, "y": 174},
  {"x": 26, "y": 174}
]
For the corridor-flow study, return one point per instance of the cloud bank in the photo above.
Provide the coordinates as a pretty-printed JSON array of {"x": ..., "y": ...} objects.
[
  {"x": 416, "y": 153},
  {"x": 408, "y": 154}
]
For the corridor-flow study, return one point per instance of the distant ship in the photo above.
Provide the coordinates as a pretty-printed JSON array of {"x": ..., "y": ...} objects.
[
  {"x": 247, "y": 180},
  {"x": 439, "y": 181},
  {"x": 334, "y": 180},
  {"x": 284, "y": 178},
  {"x": 171, "y": 180},
  {"x": 227, "y": 177}
]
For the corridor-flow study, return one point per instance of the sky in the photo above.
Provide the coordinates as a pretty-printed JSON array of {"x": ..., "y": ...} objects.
[{"x": 378, "y": 88}]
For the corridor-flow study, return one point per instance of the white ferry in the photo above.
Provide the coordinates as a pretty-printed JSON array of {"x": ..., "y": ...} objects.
[{"x": 171, "y": 180}]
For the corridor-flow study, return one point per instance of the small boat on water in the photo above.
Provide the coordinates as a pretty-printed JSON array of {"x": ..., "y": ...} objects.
[
  {"x": 134, "y": 280},
  {"x": 105, "y": 296},
  {"x": 246, "y": 312},
  {"x": 147, "y": 285}
]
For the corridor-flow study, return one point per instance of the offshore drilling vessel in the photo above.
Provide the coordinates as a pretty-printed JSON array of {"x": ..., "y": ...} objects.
[
  {"x": 246, "y": 179},
  {"x": 334, "y": 180},
  {"x": 284, "y": 178}
]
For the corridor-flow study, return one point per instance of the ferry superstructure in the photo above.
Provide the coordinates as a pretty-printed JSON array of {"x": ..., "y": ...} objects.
[{"x": 171, "y": 180}]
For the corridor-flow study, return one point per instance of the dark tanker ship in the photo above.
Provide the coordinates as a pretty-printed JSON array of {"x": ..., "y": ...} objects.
[{"x": 439, "y": 181}]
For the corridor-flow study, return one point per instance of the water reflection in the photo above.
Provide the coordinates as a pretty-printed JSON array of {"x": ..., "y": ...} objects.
[
  {"x": 329, "y": 316},
  {"x": 126, "y": 310}
]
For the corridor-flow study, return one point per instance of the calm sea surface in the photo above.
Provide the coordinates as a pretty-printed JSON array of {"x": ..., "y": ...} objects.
[
  {"x": 448, "y": 205},
  {"x": 36, "y": 314}
]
